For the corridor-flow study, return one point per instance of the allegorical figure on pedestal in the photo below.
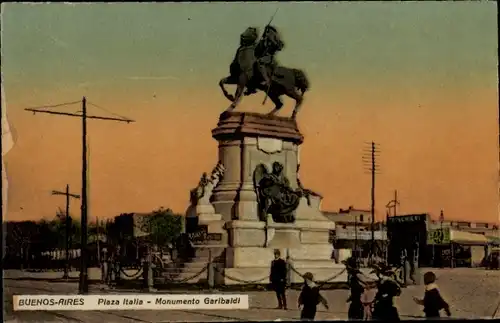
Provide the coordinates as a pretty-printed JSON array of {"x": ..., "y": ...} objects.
[
  {"x": 254, "y": 67},
  {"x": 274, "y": 194}
]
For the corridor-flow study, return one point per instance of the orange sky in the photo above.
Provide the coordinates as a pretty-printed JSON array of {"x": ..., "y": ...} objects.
[{"x": 436, "y": 124}]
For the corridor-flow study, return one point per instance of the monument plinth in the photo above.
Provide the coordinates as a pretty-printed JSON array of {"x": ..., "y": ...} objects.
[
  {"x": 246, "y": 140},
  {"x": 249, "y": 142}
]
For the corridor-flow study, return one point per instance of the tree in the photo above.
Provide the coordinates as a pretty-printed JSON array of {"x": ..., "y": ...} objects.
[{"x": 164, "y": 226}]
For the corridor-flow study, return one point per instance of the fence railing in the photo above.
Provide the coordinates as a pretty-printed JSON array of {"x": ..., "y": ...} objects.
[{"x": 206, "y": 275}]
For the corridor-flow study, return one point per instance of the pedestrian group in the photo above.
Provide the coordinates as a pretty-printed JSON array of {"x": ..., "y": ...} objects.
[{"x": 368, "y": 300}]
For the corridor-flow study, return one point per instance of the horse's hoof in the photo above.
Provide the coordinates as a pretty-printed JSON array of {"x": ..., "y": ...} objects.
[{"x": 230, "y": 98}]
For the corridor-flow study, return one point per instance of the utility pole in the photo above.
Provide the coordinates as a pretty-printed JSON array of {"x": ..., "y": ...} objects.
[
  {"x": 356, "y": 238},
  {"x": 67, "y": 224},
  {"x": 97, "y": 241},
  {"x": 393, "y": 204},
  {"x": 83, "y": 281},
  {"x": 369, "y": 159},
  {"x": 396, "y": 202}
]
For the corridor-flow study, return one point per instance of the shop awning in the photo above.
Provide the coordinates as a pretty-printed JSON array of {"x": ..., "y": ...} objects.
[
  {"x": 493, "y": 240},
  {"x": 467, "y": 238}
]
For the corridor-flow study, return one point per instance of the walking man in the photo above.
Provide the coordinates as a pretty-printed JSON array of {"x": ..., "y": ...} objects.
[
  {"x": 278, "y": 278},
  {"x": 356, "y": 286},
  {"x": 309, "y": 298}
]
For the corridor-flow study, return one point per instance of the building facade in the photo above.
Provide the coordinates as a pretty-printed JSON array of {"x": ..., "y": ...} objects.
[{"x": 353, "y": 234}]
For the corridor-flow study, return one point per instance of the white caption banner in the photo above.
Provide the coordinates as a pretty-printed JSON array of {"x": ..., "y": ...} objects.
[{"x": 129, "y": 302}]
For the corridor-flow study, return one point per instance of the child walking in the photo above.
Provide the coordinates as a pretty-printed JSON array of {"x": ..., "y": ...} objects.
[
  {"x": 367, "y": 299},
  {"x": 310, "y": 298},
  {"x": 432, "y": 301}
]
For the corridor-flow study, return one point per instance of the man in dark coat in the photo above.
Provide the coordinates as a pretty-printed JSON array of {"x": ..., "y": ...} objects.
[
  {"x": 388, "y": 287},
  {"x": 356, "y": 310},
  {"x": 277, "y": 278},
  {"x": 309, "y": 298}
]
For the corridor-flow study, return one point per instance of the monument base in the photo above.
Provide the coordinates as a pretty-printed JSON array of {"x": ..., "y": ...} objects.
[{"x": 304, "y": 243}]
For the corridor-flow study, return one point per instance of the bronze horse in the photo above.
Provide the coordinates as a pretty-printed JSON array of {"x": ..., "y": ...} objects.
[{"x": 284, "y": 81}]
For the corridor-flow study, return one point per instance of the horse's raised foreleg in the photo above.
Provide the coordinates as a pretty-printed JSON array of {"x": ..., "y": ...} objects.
[
  {"x": 222, "y": 82},
  {"x": 242, "y": 81}
]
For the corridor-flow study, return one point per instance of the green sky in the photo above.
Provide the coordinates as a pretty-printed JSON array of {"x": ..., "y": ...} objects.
[{"x": 334, "y": 42}]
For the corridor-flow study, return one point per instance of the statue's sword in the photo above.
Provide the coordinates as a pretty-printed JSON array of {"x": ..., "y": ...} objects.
[{"x": 272, "y": 74}]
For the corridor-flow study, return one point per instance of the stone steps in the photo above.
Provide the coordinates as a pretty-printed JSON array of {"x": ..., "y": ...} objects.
[{"x": 192, "y": 268}]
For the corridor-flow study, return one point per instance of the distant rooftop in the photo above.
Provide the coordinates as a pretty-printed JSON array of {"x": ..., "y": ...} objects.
[{"x": 346, "y": 211}]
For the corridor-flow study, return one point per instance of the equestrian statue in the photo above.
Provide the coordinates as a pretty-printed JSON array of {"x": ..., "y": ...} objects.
[{"x": 255, "y": 68}]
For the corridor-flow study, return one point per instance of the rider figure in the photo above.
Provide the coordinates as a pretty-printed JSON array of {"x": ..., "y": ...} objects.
[
  {"x": 248, "y": 41},
  {"x": 267, "y": 48}
]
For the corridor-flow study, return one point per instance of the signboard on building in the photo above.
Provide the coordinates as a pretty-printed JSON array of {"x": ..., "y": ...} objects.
[
  {"x": 345, "y": 234},
  {"x": 415, "y": 218},
  {"x": 439, "y": 236},
  {"x": 202, "y": 237}
]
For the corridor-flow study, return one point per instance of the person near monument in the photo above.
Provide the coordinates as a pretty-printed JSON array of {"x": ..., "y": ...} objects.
[
  {"x": 277, "y": 278},
  {"x": 387, "y": 288},
  {"x": 367, "y": 299},
  {"x": 432, "y": 302},
  {"x": 356, "y": 287},
  {"x": 309, "y": 298}
]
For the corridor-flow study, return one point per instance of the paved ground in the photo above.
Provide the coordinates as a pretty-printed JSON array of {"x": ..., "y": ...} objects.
[{"x": 472, "y": 293}]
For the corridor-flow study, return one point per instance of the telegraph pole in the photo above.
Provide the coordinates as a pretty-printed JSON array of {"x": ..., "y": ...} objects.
[
  {"x": 83, "y": 281},
  {"x": 393, "y": 204},
  {"x": 371, "y": 166},
  {"x": 356, "y": 238},
  {"x": 67, "y": 223}
]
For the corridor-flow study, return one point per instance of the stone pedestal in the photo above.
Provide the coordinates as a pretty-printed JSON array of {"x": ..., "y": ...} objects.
[
  {"x": 252, "y": 244},
  {"x": 245, "y": 141}
]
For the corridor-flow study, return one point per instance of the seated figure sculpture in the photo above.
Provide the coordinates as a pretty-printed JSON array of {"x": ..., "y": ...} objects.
[{"x": 274, "y": 194}]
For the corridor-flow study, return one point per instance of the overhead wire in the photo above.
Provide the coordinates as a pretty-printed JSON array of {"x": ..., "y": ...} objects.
[
  {"x": 106, "y": 110},
  {"x": 56, "y": 105},
  {"x": 77, "y": 102}
]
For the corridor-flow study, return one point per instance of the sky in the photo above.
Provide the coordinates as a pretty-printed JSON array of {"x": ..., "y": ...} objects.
[{"x": 418, "y": 78}]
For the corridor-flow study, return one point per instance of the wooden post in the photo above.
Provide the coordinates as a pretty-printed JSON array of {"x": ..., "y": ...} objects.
[
  {"x": 210, "y": 270},
  {"x": 452, "y": 255},
  {"x": 83, "y": 281},
  {"x": 67, "y": 224},
  {"x": 83, "y": 287},
  {"x": 355, "y": 239},
  {"x": 150, "y": 270},
  {"x": 373, "y": 200},
  {"x": 97, "y": 241},
  {"x": 288, "y": 268}
]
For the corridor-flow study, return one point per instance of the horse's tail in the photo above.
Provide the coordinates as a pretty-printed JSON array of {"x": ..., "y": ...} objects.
[{"x": 301, "y": 81}]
